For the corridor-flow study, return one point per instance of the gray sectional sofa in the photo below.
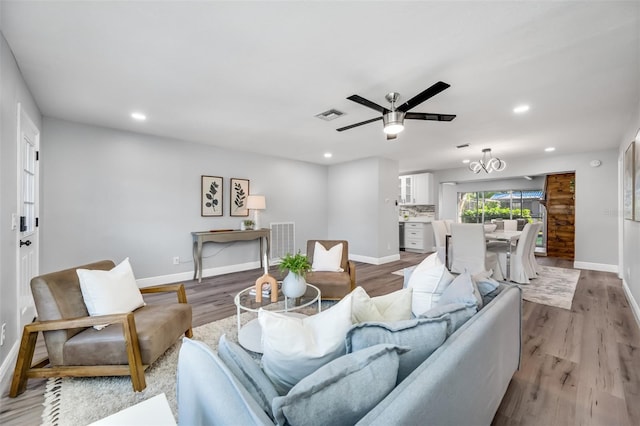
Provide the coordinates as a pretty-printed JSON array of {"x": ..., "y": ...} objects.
[{"x": 461, "y": 383}]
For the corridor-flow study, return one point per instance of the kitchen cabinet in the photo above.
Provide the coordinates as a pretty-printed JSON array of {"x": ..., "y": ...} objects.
[
  {"x": 418, "y": 237},
  {"x": 416, "y": 189}
]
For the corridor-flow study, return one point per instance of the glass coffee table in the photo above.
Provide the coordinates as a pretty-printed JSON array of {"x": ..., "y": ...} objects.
[{"x": 250, "y": 334}]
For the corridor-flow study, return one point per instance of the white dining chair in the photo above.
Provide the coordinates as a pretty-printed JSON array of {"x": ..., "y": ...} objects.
[
  {"x": 448, "y": 223},
  {"x": 469, "y": 250},
  {"x": 534, "y": 267},
  {"x": 510, "y": 225},
  {"x": 519, "y": 266},
  {"x": 440, "y": 235}
]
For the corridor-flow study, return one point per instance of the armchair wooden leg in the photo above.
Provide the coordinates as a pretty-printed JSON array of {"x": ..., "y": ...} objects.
[
  {"x": 189, "y": 333},
  {"x": 133, "y": 354},
  {"x": 23, "y": 363}
]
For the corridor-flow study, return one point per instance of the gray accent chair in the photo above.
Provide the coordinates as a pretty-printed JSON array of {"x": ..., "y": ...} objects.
[{"x": 127, "y": 347}]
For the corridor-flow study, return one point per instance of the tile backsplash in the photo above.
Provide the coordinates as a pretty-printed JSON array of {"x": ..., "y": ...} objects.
[{"x": 419, "y": 210}]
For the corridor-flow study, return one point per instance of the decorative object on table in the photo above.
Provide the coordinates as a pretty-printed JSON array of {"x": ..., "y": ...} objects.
[
  {"x": 628, "y": 204},
  {"x": 238, "y": 198},
  {"x": 256, "y": 203},
  {"x": 247, "y": 225},
  {"x": 637, "y": 177},
  {"x": 269, "y": 281},
  {"x": 294, "y": 284},
  {"x": 211, "y": 196},
  {"x": 488, "y": 163}
]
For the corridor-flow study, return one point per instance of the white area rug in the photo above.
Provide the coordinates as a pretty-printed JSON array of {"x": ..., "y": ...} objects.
[
  {"x": 553, "y": 287},
  {"x": 80, "y": 401}
]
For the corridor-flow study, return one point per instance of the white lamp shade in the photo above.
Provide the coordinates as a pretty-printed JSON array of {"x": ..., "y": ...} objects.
[{"x": 256, "y": 202}]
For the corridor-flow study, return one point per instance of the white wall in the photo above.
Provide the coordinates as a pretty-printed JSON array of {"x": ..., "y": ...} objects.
[
  {"x": 597, "y": 215},
  {"x": 362, "y": 208},
  {"x": 630, "y": 267},
  {"x": 109, "y": 194},
  {"x": 13, "y": 90}
]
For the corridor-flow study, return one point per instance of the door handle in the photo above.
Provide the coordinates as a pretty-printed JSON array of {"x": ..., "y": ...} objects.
[{"x": 25, "y": 243}]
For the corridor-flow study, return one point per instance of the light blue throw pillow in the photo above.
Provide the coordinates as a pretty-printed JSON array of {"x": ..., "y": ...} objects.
[
  {"x": 458, "y": 314},
  {"x": 342, "y": 391},
  {"x": 461, "y": 290},
  {"x": 421, "y": 335},
  {"x": 248, "y": 372}
]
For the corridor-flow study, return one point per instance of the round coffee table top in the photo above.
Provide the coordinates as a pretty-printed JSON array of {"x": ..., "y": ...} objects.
[{"x": 247, "y": 301}]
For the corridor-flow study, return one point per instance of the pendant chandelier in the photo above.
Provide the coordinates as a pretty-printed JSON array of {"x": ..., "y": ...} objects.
[{"x": 488, "y": 163}]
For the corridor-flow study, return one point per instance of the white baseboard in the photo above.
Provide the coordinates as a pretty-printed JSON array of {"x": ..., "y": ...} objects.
[
  {"x": 635, "y": 308},
  {"x": 6, "y": 369},
  {"x": 375, "y": 260},
  {"x": 187, "y": 276},
  {"x": 604, "y": 267}
]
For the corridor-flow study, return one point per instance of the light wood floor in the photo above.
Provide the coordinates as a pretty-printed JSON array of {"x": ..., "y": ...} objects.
[{"x": 579, "y": 367}]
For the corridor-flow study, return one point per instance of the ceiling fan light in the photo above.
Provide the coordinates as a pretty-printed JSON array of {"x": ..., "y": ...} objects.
[{"x": 393, "y": 122}]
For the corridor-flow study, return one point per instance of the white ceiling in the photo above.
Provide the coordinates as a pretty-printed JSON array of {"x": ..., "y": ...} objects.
[{"x": 252, "y": 75}]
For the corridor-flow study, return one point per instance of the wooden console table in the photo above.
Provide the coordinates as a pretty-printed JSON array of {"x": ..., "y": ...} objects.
[{"x": 199, "y": 238}]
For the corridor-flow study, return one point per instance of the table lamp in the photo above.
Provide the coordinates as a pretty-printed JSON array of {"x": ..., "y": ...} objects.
[{"x": 256, "y": 203}]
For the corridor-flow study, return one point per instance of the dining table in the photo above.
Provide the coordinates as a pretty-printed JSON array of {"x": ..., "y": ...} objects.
[{"x": 510, "y": 237}]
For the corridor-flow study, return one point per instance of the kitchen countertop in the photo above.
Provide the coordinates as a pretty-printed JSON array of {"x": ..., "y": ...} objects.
[{"x": 417, "y": 219}]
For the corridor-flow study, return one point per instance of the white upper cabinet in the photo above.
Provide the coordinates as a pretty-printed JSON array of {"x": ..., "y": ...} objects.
[{"x": 416, "y": 189}]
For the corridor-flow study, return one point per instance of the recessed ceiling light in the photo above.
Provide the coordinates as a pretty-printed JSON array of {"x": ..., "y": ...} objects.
[
  {"x": 328, "y": 155},
  {"x": 550, "y": 149},
  {"x": 466, "y": 161},
  {"x": 138, "y": 116},
  {"x": 521, "y": 109}
]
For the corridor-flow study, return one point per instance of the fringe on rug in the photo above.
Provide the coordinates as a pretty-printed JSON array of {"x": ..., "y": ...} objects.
[{"x": 51, "y": 413}]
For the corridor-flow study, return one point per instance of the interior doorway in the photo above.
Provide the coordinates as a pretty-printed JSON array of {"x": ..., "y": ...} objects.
[{"x": 27, "y": 244}]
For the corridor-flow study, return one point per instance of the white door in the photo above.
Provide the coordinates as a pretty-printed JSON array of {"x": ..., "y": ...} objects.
[{"x": 27, "y": 218}]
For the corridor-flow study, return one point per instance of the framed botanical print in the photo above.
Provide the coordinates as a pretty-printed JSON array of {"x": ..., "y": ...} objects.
[
  {"x": 628, "y": 178},
  {"x": 238, "y": 197},
  {"x": 211, "y": 196}
]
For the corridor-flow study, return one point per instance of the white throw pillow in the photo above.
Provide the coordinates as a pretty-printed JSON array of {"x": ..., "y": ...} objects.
[
  {"x": 296, "y": 347},
  {"x": 110, "y": 292},
  {"x": 327, "y": 260},
  {"x": 390, "y": 307},
  {"x": 428, "y": 281}
]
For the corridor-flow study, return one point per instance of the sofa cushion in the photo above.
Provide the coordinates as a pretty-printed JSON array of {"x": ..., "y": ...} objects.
[
  {"x": 327, "y": 260},
  {"x": 110, "y": 292},
  {"x": 421, "y": 335},
  {"x": 428, "y": 280},
  {"x": 341, "y": 392},
  {"x": 208, "y": 393},
  {"x": 296, "y": 347},
  {"x": 461, "y": 290},
  {"x": 390, "y": 307},
  {"x": 458, "y": 313},
  {"x": 248, "y": 372}
]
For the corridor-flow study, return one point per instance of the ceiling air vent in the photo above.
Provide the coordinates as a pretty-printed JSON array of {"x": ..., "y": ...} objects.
[
  {"x": 465, "y": 145},
  {"x": 329, "y": 115}
]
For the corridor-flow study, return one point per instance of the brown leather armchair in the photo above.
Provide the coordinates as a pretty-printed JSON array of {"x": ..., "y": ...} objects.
[
  {"x": 127, "y": 347},
  {"x": 332, "y": 285}
]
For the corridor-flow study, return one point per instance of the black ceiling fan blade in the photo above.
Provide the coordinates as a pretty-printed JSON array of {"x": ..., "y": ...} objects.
[
  {"x": 366, "y": 102},
  {"x": 423, "y": 96},
  {"x": 351, "y": 126},
  {"x": 391, "y": 137},
  {"x": 429, "y": 116}
]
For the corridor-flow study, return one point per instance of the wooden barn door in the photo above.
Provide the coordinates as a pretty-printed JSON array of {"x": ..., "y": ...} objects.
[{"x": 560, "y": 204}]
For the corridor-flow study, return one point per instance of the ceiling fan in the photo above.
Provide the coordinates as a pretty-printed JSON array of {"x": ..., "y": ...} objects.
[{"x": 393, "y": 118}]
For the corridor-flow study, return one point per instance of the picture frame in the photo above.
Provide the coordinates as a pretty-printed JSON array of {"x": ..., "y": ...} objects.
[
  {"x": 628, "y": 182},
  {"x": 239, "y": 191},
  {"x": 211, "y": 192},
  {"x": 636, "y": 200}
]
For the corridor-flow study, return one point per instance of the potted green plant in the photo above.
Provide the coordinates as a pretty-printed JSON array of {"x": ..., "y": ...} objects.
[
  {"x": 294, "y": 284},
  {"x": 247, "y": 224}
]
